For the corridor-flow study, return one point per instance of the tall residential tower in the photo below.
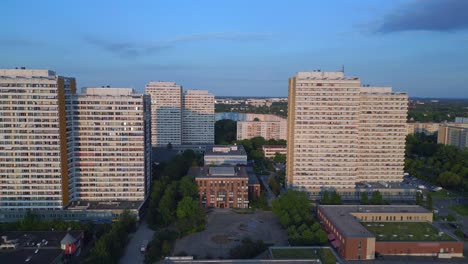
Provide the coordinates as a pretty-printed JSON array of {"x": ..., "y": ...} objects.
[
  {"x": 180, "y": 118},
  {"x": 341, "y": 133},
  {"x": 198, "y": 117},
  {"x": 34, "y": 142},
  {"x": 112, "y": 157},
  {"x": 166, "y": 113}
]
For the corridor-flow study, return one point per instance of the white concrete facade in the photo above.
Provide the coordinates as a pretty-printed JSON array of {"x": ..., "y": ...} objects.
[
  {"x": 198, "y": 118},
  {"x": 166, "y": 113},
  {"x": 340, "y": 133}
]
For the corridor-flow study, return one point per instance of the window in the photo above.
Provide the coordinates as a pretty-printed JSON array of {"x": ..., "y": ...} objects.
[{"x": 360, "y": 244}]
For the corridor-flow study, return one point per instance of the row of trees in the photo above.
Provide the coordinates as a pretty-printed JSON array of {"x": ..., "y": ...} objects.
[
  {"x": 174, "y": 204},
  {"x": 109, "y": 247},
  {"x": 436, "y": 163},
  {"x": 294, "y": 212},
  {"x": 330, "y": 198}
]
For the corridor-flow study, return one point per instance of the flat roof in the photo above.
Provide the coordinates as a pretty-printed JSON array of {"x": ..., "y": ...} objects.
[
  {"x": 218, "y": 172},
  {"x": 53, "y": 237},
  {"x": 224, "y": 150},
  {"x": 104, "y": 205},
  {"x": 342, "y": 218},
  {"x": 20, "y": 256}
]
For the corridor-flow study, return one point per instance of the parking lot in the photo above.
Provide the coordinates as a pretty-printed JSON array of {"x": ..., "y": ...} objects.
[{"x": 225, "y": 229}]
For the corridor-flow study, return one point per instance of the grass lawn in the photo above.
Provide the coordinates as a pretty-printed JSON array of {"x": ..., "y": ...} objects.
[
  {"x": 461, "y": 209},
  {"x": 325, "y": 255},
  {"x": 405, "y": 232}
]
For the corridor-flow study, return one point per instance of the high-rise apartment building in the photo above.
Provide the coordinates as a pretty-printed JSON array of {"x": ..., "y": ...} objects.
[
  {"x": 58, "y": 149},
  {"x": 112, "y": 148},
  {"x": 166, "y": 113},
  {"x": 34, "y": 147},
  {"x": 180, "y": 118},
  {"x": 198, "y": 117},
  {"x": 341, "y": 133},
  {"x": 382, "y": 134}
]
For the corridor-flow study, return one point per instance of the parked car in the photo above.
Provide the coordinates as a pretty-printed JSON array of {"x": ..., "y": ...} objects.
[{"x": 144, "y": 246}]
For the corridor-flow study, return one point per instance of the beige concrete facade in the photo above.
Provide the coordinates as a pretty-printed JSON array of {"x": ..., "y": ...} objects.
[
  {"x": 112, "y": 145},
  {"x": 425, "y": 128},
  {"x": 35, "y": 121},
  {"x": 341, "y": 133},
  {"x": 271, "y": 150},
  {"x": 262, "y": 125},
  {"x": 455, "y": 134}
]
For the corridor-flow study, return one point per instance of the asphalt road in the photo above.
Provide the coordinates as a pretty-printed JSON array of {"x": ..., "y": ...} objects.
[{"x": 132, "y": 251}]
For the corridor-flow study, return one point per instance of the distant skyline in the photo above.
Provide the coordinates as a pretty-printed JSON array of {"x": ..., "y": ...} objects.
[{"x": 242, "y": 48}]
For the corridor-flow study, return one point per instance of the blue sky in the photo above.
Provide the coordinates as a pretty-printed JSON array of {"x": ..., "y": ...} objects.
[{"x": 242, "y": 47}]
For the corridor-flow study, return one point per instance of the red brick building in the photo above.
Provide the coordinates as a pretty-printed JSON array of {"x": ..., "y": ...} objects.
[
  {"x": 345, "y": 227},
  {"x": 225, "y": 187}
]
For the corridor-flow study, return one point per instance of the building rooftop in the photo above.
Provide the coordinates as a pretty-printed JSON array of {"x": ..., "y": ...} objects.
[
  {"x": 107, "y": 91},
  {"x": 104, "y": 205},
  {"x": 217, "y": 172},
  {"x": 26, "y": 241},
  {"x": 342, "y": 216},
  {"x": 217, "y": 150}
]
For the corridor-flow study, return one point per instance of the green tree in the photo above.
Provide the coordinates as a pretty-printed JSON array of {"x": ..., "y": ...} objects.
[
  {"x": 225, "y": 131},
  {"x": 325, "y": 198},
  {"x": 429, "y": 202},
  {"x": 187, "y": 208},
  {"x": 364, "y": 198},
  {"x": 376, "y": 198},
  {"x": 167, "y": 204},
  {"x": 419, "y": 198},
  {"x": 449, "y": 179},
  {"x": 274, "y": 186},
  {"x": 169, "y": 146},
  {"x": 188, "y": 187},
  {"x": 279, "y": 158},
  {"x": 335, "y": 198}
]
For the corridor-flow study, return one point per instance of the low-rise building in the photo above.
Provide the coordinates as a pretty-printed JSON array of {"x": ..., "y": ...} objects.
[
  {"x": 362, "y": 232},
  {"x": 225, "y": 155},
  {"x": 271, "y": 150},
  {"x": 48, "y": 247},
  {"x": 224, "y": 187}
]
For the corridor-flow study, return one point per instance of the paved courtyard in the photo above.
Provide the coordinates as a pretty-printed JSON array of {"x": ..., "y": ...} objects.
[{"x": 225, "y": 229}]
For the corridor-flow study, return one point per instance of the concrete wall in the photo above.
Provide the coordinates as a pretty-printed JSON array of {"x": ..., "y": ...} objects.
[{"x": 455, "y": 248}]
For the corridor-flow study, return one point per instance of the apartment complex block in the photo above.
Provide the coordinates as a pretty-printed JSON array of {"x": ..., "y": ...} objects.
[
  {"x": 166, "y": 113},
  {"x": 60, "y": 149},
  {"x": 112, "y": 148},
  {"x": 425, "y": 128},
  {"x": 341, "y": 133},
  {"x": 225, "y": 155},
  {"x": 34, "y": 147},
  {"x": 178, "y": 118},
  {"x": 198, "y": 117},
  {"x": 455, "y": 134},
  {"x": 262, "y": 125}
]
